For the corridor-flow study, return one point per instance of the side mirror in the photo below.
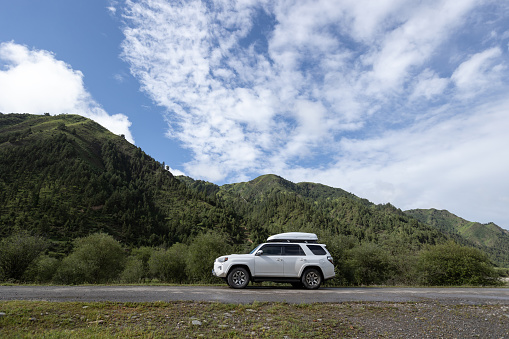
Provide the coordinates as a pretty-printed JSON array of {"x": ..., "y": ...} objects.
[{"x": 260, "y": 252}]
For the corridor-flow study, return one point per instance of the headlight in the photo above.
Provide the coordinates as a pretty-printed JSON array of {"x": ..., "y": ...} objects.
[{"x": 222, "y": 259}]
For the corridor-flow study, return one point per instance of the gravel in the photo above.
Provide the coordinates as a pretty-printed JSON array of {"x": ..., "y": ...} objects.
[{"x": 429, "y": 320}]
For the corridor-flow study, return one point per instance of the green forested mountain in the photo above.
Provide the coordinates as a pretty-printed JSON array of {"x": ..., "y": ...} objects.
[
  {"x": 63, "y": 177},
  {"x": 489, "y": 237},
  {"x": 66, "y": 176},
  {"x": 270, "y": 204}
]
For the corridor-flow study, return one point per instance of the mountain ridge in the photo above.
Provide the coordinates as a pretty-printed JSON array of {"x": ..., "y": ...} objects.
[
  {"x": 66, "y": 176},
  {"x": 489, "y": 237}
]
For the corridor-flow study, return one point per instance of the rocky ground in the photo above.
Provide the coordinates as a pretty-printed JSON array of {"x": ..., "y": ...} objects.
[
  {"x": 258, "y": 320},
  {"x": 429, "y": 320}
]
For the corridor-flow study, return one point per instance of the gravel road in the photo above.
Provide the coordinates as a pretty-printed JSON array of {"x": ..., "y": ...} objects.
[{"x": 473, "y": 296}]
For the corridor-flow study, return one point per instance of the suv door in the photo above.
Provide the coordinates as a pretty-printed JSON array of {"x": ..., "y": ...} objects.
[
  {"x": 270, "y": 262},
  {"x": 294, "y": 258}
]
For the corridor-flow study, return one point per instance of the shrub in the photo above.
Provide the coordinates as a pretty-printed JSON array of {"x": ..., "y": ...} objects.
[
  {"x": 17, "y": 252},
  {"x": 158, "y": 263},
  {"x": 74, "y": 270},
  {"x": 97, "y": 258},
  {"x": 42, "y": 269},
  {"x": 339, "y": 246},
  {"x": 204, "y": 249},
  {"x": 143, "y": 253},
  {"x": 371, "y": 264},
  {"x": 169, "y": 265},
  {"x": 133, "y": 271},
  {"x": 452, "y": 264}
]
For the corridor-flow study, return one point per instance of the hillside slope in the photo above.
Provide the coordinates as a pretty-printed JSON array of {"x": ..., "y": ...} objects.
[
  {"x": 491, "y": 238},
  {"x": 270, "y": 204},
  {"x": 66, "y": 176}
]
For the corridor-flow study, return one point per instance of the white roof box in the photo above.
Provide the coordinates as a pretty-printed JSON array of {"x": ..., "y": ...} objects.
[{"x": 294, "y": 237}]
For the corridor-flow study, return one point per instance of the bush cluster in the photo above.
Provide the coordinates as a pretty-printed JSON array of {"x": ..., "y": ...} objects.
[
  {"x": 99, "y": 258},
  {"x": 448, "y": 264}
]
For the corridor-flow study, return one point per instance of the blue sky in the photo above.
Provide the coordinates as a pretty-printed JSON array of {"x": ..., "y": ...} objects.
[{"x": 394, "y": 101}]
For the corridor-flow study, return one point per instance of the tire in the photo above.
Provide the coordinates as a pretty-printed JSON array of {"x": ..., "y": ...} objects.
[
  {"x": 311, "y": 279},
  {"x": 238, "y": 277}
]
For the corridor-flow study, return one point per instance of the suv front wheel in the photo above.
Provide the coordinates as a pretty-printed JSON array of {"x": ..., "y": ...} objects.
[
  {"x": 311, "y": 279},
  {"x": 238, "y": 277}
]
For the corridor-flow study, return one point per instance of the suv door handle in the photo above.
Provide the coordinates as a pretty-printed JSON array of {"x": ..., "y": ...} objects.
[
  {"x": 302, "y": 259},
  {"x": 279, "y": 259}
]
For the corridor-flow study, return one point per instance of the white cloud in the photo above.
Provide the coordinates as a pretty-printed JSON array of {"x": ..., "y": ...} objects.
[
  {"x": 173, "y": 51},
  {"x": 223, "y": 96},
  {"x": 112, "y": 8},
  {"x": 175, "y": 172},
  {"x": 479, "y": 72},
  {"x": 409, "y": 45},
  {"x": 428, "y": 85},
  {"x": 369, "y": 92},
  {"x": 459, "y": 164},
  {"x": 34, "y": 81}
]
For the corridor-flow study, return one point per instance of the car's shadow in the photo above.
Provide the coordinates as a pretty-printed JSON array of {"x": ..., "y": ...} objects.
[
  {"x": 272, "y": 288},
  {"x": 276, "y": 287}
]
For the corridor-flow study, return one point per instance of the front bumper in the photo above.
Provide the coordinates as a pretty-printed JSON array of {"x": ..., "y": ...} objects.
[{"x": 219, "y": 270}]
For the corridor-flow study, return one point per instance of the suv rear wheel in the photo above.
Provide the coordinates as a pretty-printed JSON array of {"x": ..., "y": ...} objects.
[
  {"x": 238, "y": 277},
  {"x": 311, "y": 279}
]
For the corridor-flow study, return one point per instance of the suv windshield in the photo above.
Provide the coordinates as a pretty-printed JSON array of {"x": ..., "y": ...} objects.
[{"x": 254, "y": 249}]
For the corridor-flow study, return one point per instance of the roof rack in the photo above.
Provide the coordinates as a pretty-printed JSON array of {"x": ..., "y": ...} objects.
[{"x": 297, "y": 237}]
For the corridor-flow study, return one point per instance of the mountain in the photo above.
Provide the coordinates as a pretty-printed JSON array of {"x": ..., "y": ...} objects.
[
  {"x": 280, "y": 206},
  {"x": 66, "y": 176},
  {"x": 491, "y": 238},
  {"x": 270, "y": 204},
  {"x": 266, "y": 185}
]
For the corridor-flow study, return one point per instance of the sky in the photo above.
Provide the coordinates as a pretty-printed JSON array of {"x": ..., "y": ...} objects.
[{"x": 401, "y": 102}]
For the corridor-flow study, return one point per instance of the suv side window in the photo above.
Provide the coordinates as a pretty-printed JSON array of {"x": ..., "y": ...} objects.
[
  {"x": 317, "y": 249},
  {"x": 271, "y": 250},
  {"x": 293, "y": 250}
]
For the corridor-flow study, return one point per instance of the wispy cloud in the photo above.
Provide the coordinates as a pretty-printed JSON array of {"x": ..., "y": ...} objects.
[
  {"x": 480, "y": 72},
  {"x": 35, "y": 81},
  {"x": 378, "y": 97},
  {"x": 459, "y": 163},
  {"x": 112, "y": 8}
]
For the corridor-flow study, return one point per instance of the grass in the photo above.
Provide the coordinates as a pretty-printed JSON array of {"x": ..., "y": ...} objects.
[
  {"x": 171, "y": 320},
  {"x": 42, "y": 319}
]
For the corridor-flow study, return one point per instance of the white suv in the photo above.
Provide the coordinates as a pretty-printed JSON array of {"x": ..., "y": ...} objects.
[{"x": 292, "y": 257}]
